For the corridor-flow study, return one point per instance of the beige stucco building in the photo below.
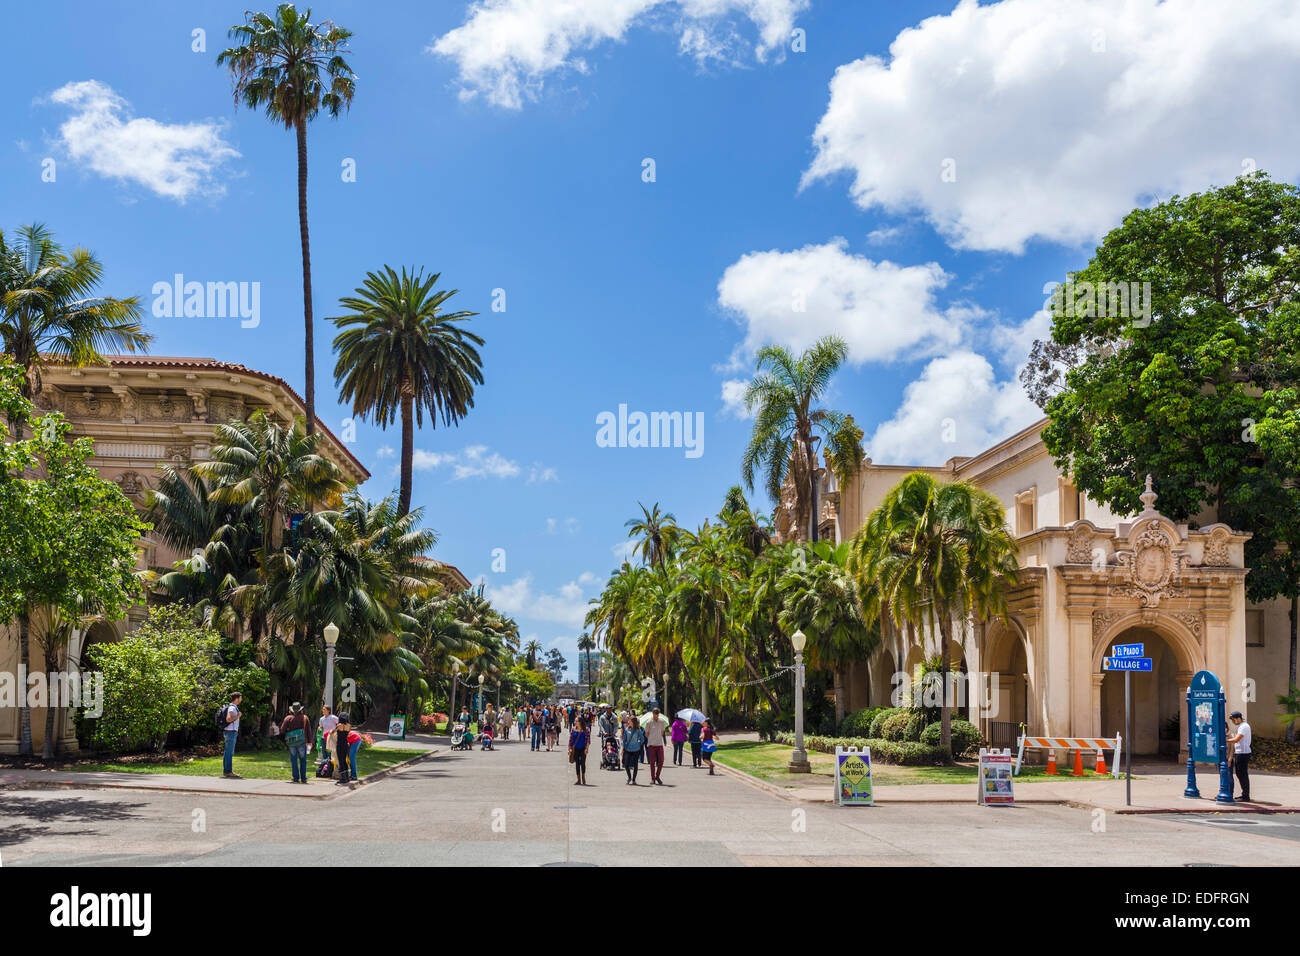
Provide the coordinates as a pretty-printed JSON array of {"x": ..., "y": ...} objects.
[
  {"x": 1088, "y": 579},
  {"x": 145, "y": 412}
]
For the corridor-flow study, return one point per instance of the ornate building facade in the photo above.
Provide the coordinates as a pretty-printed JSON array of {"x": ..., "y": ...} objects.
[{"x": 1088, "y": 579}]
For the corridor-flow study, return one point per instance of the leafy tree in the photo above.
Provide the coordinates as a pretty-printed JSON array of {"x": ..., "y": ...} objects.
[
  {"x": 555, "y": 665},
  {"x": 930, "y": 556},
  {"x": 782, "y": 395},
  {"x": 1204, "y": 392},
  {"x": 533, "y": 685},
  {"x": 292, "y": 69},
  {"x": 68, "y": 536},
  {"x": 399, "y": 354}
]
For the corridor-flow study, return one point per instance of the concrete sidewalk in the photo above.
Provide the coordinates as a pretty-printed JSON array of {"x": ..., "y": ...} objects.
[
  {"x": 1154, "y": 793},
  {"x": 315, "y": 788}
]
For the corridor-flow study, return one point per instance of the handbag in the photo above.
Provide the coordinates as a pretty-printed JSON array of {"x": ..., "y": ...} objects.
[
  {"x": 709, "y": 746},
  {"x": 570, "y": 755}
]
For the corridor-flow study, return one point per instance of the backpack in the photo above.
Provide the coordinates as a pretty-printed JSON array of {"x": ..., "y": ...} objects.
[
  {"x": 326, "y": 769},
  {"x": 295, "y": 737},
  {"x": 221, "y": 718}
]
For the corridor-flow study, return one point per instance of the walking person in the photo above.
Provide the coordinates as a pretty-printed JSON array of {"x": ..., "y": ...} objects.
[
  {"x": 341, "y": 746},
  {"x": 633, "y": 743},
  {"x": 553, "y": 729},
  {"x": 579, "y": 744},
  {"x": 521, "y": 718},
  {"x": 295, "y": 728},
  {"x": 537, "y": 728},
  {"x": 693, "y": 736},
  {"x": 230, "y": 733},
  {"x": 1241, "y": 752},
  {"x": 708, "y": 744},
  {"x": 325, "y": 730},
  {"x": 655, "y": 730},
  {"x": 679, "y": 740}
]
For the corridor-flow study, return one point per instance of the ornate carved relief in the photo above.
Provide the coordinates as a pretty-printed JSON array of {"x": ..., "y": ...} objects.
[
  {"x": 226, "y": 409},
  {"x": 1079, "y": 546},
  {"x": 93, "y": 405},
  {"x": 200, "y": 400},
  {"x": 132, "y": 484},
  {"x": 1152, "y": 567},
  {"x": 1103, "y": 619},
  {"x": 178, "y": 454},
  {"x": 1216, "y": 550},
  {"x": 165, "y": 408},
  {"x": 1192, "y": 619}
]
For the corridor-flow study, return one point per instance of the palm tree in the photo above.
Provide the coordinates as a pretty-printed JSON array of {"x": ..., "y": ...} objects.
[
  {"x": 293, "y": 68},
  {"x": 587, "y": 644},
  {"x": 658, "y": 534},
  {"x": 932, "y": 553},
  {"x": 398, "y": 354},
  {"x": 49, "y": 312},
  {"x": 784, "y": 391},
  {"x": 820, "y": 600},
  {"x": 532, "y": 649}
]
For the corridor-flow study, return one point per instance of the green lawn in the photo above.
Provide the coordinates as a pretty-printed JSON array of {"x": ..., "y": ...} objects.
[
  {"x": 270, "y": 764},
  {"x": 768, "y": 762}
]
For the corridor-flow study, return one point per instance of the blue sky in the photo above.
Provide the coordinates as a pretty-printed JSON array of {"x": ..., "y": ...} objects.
[{"x": 910, "y": 179}]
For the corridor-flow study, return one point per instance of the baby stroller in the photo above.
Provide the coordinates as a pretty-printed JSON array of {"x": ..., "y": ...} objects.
[
  {"x": 461, "y": 738},
  {"x": 485, "y": 740},
  {"x": 609, "y": 753}
]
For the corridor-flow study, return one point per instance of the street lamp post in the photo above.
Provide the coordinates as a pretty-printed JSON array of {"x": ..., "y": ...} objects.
[
  {"x": 799, "y": 757},
  {"x": 479, "y": 702},
  {"x": 451, "y": 709},
  {"x": 666, "y": 710},
  {"x": 331, "y": 638}
]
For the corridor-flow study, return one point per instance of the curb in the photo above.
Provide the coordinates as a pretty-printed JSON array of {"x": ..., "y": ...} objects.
[{"x": 337, "y": 792}]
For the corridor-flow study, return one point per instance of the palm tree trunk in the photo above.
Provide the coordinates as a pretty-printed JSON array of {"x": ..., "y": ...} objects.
[
  {"x": 24, "y": 660},
  {"x": 812, "y": 493},
  {"x": 945, "y": 714},
  {"x": 309, "y": 339},
  {"x": 1295, "y": 619},
  {"x": 839, "y": 696},
  {"x": 408, "y": 453},
  {"x": 51, "y": 662}
]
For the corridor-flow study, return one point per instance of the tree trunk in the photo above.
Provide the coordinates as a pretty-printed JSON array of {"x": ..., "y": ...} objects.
[
  {"x": 812, "y": 493},
  {"x": 839, "y": 697},
  {"x": 1295, "y": 617},
  {"x": 51, "y": 662},
  {"x": 704, "y": 697},
  {"x": 408, "y": 452},
  {"x": 309, "y": 339},
  {"x": 945, "y": 712},
  {"x": 24, "y": 661}
]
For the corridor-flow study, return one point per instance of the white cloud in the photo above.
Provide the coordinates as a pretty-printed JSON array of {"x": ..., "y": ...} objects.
[
  {"x": 175, "y": 160},
  {"x": 505, "y": 49},
  {"x": 956, "y": 407},
  {"x": 733, "y": 398},
  {"x": 567, "y": 605},
  {"x": 1063, "y": 116},
  {"x": 884, "y": 311},
  {"x": 538, "y": 474},
  {"x": 474, "y": 461},
  {"x": 570, "y": 525},
  {"x": 385, "y": 451},
  {"x": 624, "y": 551}
]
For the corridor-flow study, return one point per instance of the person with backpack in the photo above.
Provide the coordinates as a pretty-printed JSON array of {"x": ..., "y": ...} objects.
[
  {"x": 295, "y": 729},
  {"x": 633, "y": 744},
  {"x": 342, "y": 743},
  {"x": 228, "y": 722},
  {"x": 537, "y": 728}
]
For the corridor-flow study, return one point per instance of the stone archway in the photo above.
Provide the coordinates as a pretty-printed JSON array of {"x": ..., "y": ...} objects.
[{"x": 1007, "y": 655}]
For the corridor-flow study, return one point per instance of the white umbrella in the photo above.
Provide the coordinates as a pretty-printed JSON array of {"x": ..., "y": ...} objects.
[{"x": 691, "y": 716}]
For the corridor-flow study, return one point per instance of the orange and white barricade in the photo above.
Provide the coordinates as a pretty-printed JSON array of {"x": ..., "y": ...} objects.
[{"x": 1080, "y": 744}]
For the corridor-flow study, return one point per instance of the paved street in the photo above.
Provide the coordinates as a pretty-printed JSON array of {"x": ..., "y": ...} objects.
[{"x": 514, "y": 807}]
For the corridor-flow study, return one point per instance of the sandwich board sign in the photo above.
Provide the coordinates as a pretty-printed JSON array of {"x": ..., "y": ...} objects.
[
  {"x": 396, "y": 728},
  {"x": 995, "y": 787},
  {"x": 853, "y": 777}
]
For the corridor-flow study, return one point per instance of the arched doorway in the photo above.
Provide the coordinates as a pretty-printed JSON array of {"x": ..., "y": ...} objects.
[
  {"x": 1156, "y": 703},
  {"x": 1007, "y": 663}
]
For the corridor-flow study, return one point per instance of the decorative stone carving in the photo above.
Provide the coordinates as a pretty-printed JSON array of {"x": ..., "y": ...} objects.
[
  {"x": 1152, "y": 567},
  {"x": 226, "y": 409},
  {"x": 178, "y": 454},
  {"x": 165, "y": 408},
  {"x": 132, "y": 484},
  {"x": 1216, "y": 550},
  {"x": 1078, "y": 549},
  {"x": 199, "y": 398},
  {"x": 127, "y": 402},
  {"x": 47, "y": 400},
  {"x": 1192, "y": 619},
  {"x": 1103, "y": 619},
  {"x": 92, "y": 405}
]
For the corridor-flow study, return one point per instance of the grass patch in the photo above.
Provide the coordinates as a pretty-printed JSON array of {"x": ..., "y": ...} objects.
[
  {"x": 270, "y": 764},
  {"x": 768, "y": 762}
]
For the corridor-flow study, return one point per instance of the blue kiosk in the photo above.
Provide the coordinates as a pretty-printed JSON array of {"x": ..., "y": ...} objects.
[{"x": 1207, "y": 738}]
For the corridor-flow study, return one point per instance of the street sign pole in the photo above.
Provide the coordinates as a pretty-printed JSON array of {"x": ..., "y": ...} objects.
[{"x": 1128, "y": 735}]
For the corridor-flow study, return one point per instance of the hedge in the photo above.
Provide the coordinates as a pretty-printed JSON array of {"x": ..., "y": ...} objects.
[
  {"x": 908, "y": 752},
  {"x": 876, "y": 730},
  {"x": 965, "y": 736}
]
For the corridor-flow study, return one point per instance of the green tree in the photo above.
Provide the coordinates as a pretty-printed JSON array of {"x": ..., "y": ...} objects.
[
  {"x": 1201, "y": 390},
  {"x": 782, "y": 395},
  {"x": 399, "y": 354},
  {"x": 68, "y": 536},
  {"x": 292, "y": 69},
  {"x": 49, "y": 311},
  {"x": 657, "y": 533},
  {"x": 932, "y": 555}
]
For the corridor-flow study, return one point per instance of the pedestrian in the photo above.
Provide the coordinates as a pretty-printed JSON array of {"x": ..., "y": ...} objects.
[
  {"x": 341, "y": 733},
  {"x": 295, "y": 728},
  {"x": 537, "y": 728},
  {"x": 325, "y": 730},
  {"x": 633, "y": 743},
  {"x": 693, "y": 735},
  {"x": 579, "y": 743},
  {"x": 679, "y": 739},
  {"x": 655, "y": 729},
  {"x": 553, "y": 729},
  {"x": 521, "y": 718},
  {"x": 504, "y": 721},
  {"x": 1241, "y": 752},
  {"x": 708, "y": 744},
  {"x": 230, "y": 731}
]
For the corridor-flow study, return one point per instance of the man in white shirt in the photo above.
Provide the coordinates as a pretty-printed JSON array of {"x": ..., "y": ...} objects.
[
  {"x": 1241, "y": 752},
  {"x": 326, "y": 727},
  {"x": 230, "y": 714},
  {"x": 655, "y": 729}
]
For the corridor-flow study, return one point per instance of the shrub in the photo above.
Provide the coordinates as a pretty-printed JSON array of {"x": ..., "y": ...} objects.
[
  {"x": 876, "y": 729},
  {"x": 900, "y": 726},
  {"x": 906, "y": 753},
  {"x": 858, "y": 724},
  {"x": 965, "y": 736}
]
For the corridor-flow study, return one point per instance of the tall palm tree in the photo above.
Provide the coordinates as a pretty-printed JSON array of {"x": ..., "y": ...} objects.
[
  {"x": 532, "y": 649},
  {"x": 49, "y": 312},
  {"x": 399, "y": 354},
  {"x": 292, "y": 69},
  {"x": 587, "y": 644},
  {"x": 784, "y": 391},
  {"x": 657, "y": 532},
  {"x": 932, "y": 554}
]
